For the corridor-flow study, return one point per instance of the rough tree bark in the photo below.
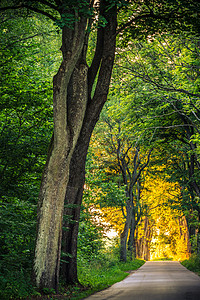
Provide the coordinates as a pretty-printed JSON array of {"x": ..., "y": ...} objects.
[
  {"x": 102, "y": 62},
  {"x": 67, "y": 126},
  {"x": 185, "y": 233}
]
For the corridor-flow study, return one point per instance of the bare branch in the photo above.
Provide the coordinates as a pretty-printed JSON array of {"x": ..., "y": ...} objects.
[
  {"x": 195, "y": 115},
  {"x": 135, "y": 19},
  {"x": 145, "y": 165},
  {"x": 23, "y": 39}
]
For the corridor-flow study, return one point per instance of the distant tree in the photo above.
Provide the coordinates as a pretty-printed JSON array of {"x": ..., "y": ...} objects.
[
  {"x": 166, "y": 72},
  {"x": 123, "y": 160}
]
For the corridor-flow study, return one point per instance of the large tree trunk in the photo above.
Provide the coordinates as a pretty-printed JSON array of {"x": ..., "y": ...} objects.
[
  {"x": 67, "y": 126},
  {"x": 75, "y": 184},
  {"x": 103, "y": 59}
]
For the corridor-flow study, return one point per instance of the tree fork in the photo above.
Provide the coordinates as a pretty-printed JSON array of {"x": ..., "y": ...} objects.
[{"x": 104, "y": 60}]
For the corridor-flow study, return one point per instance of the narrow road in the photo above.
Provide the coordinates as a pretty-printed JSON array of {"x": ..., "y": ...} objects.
[{"x": 163, "y": 280}]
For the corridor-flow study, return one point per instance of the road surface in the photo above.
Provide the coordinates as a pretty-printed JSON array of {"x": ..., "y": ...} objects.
[{"x": 162, "y": 280}]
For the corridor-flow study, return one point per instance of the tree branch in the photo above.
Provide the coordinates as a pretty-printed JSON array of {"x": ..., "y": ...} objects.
[
  {"x": 119, "y": 30},
  {"x": 23, "y": 39},
  {"x": 146, "y": 15},
  {"x": 146, "y": 78},
  {"x": 145, "y": 165},
  {"x": 30, "y": 8}
]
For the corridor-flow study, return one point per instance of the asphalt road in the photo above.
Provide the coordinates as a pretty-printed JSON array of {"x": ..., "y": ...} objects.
[{"x": 163, "y": 280}]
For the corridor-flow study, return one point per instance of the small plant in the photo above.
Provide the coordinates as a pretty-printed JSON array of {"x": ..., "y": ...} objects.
[
  {"x": 48, "y": 291},
  {"x": 103, "y": 271}
]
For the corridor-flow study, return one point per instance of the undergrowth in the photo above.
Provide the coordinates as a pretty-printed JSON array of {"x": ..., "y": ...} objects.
[
  {"x": 103, "y": 271},
  {"x": 193, "y": 263},
  {"x": 94, "y": 275}
]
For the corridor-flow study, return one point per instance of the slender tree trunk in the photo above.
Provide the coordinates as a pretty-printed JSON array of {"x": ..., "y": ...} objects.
[
  {"x": 131, "y": 240},
  {"x": 73, "y": 202},
  {"x": 124, "y": 236},
  {"x": 143, "y": 244},
  {"x": 56, "y": 172},
  {"x": 148, "y": 236},
  {"x": 129, "y": 180},
  {"x": 136, "y": 211},
  {"x": 185, "y": 233}
]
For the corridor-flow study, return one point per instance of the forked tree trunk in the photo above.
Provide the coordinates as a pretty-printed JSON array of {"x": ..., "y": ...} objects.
[
  {"x": 67, "y": 126},
  {"x": 103, "y": 62}
]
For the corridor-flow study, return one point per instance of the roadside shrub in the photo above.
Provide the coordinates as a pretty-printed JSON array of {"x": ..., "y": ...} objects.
[
  {"x": 193, "y": 263},
  {"x": 104, "y": 269}
]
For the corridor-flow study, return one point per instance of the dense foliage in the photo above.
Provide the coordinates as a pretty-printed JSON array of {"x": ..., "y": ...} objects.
[
  {"x": 25, "y": 131},
  {"x": 193, "y": 264},
  {"x": 152, "y": 116}
]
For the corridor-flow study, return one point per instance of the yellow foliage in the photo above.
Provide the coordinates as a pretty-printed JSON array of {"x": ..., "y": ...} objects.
[
  {"x": 168, "y": 225},
  {"x": 166, "y": 235},
  {"x": 162, "y": 230},
  {"x": 115, "y": 218}
]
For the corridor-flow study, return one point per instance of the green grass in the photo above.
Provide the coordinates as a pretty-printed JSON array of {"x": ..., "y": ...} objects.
[
  {"x": 95, "y": 276},
  {"x": 102, "y": 271},
  {"x": 99, "y": 275},
  {"x": 193, "y": 263}
]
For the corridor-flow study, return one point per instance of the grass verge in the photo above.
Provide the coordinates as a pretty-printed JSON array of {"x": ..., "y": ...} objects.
[{"x": 99, "y": 276}]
